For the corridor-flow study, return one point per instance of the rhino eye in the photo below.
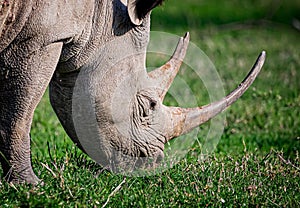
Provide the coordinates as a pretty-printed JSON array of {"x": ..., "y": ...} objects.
[{"x": 152, "y": 104}]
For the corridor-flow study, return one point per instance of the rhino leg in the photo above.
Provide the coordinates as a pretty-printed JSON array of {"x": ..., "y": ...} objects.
[{"x": 25, "y": 72}]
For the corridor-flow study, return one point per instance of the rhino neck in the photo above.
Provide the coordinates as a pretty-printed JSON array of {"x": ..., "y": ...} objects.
[
  {"x": 111, "y": 23},
  {"x": 108, "y": 22}
]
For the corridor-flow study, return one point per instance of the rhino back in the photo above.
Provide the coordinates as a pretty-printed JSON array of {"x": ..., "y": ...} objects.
[
  {"x": 13, "y": 16},
  {"x": 43, "y": 22}
]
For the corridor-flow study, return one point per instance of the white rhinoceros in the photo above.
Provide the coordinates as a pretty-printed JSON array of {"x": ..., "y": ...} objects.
[{"x": 44, "y": 42}]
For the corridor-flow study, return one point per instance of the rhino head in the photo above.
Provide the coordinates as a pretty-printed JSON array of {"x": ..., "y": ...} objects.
[{"x": 118, "y": 112}]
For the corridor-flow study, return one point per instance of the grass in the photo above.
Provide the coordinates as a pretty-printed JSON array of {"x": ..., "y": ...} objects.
[{"x": 256, "y": 162}]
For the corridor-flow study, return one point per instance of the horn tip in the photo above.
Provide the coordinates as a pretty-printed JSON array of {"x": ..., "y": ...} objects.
[
  {"x": 187, "y": 36},
  {"x": 263, "y": 54},
  {"x": 262, "y": 58}
]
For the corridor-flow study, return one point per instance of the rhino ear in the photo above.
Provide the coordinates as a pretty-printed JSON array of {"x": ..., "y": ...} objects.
[{"x": 138, "y": 9}]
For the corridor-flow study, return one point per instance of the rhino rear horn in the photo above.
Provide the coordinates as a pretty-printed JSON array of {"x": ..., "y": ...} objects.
[{"x": 165, "y": 75}]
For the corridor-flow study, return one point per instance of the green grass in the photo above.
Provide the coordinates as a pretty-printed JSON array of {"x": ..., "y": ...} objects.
[{"x": 256, "y": 162}]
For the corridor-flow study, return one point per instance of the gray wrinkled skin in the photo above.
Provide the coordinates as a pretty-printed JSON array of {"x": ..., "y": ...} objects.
[{"x": 52, "y": 42}]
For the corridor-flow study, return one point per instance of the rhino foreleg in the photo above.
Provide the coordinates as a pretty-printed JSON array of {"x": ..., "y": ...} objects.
[{"x": 24, "y": 76}]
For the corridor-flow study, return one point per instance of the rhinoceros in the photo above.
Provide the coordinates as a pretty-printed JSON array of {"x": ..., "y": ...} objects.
[{"x": 50, "y": 42}]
